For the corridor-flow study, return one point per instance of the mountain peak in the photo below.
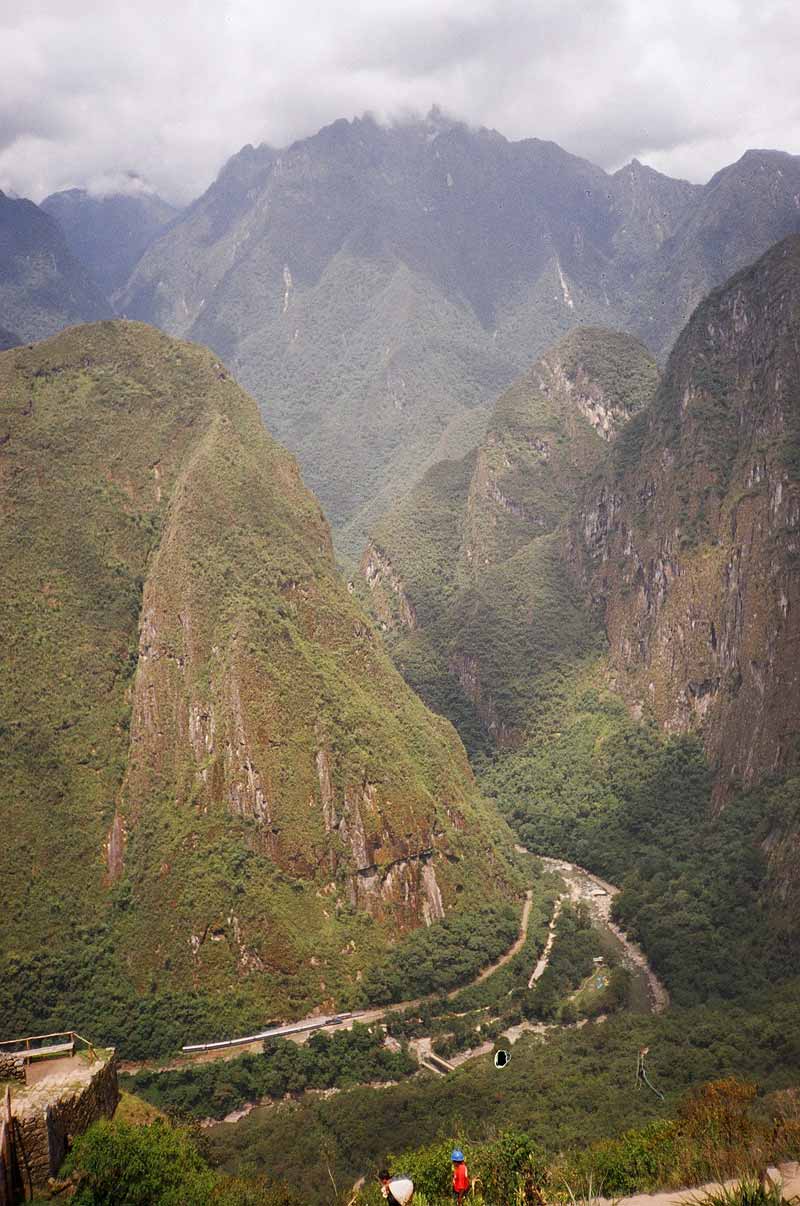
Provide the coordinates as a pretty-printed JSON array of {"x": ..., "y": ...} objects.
[
  {"x": 229, "y": 743},
  {"x": 110, "y": 223}
]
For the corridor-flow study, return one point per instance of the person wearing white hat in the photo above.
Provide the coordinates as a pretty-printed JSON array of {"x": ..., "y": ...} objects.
[{"x": 397, "y": 1190}]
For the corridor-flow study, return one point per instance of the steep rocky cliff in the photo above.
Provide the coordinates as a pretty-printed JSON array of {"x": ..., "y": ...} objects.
[
  {"x": 465, "y": 573},
  {"x": 690, "y": 538},
  {"x": 205, "y": 746}
]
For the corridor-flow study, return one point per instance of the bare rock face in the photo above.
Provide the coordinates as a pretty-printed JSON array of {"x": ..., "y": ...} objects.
[
  {"x": 391, "y": 603},
  {"x": 690, "y": 542}
]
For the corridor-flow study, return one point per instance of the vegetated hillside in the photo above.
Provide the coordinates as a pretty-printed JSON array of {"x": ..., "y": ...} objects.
[
  {"x": 689, "y": 539},
  {"x": 43, "y": 288},
  {"x": 109, "y": 233},
  {"x": 678, "y": 534},
  {"x": 467, "y": 573},
  {"x": 213, "y": 779},
  {"x": 373, "y": 285}
]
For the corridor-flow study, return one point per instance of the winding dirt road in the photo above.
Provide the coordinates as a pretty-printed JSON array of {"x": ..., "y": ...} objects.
[
  {"x": 581, "y": 885},
  {"x": 366, "y": 1016}
]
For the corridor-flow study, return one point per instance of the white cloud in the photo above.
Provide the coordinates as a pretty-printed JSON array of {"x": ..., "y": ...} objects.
[
  {"x": 119, "y": 184},
  {"x": 89, "y": 90}
]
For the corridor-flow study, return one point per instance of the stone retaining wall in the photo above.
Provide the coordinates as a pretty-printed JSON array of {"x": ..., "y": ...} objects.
[
  {"x": 60, "y": 1110},
  {"x": 12, "y": 1067}
]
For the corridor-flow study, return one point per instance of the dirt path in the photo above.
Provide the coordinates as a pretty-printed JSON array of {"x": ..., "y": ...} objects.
[
  {"x": 544, "y": 958},
  {"x": 787, "y": 1174},
  {"x": 510, "y": 953},
  {"x": 581, "y": 885}
]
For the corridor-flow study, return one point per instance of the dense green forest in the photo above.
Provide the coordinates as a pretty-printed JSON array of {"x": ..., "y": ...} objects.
[
  {"x": 441, "y": 956},
  {"x": 617, "y": 797},
  {"x": 213, "y": 1090},
  {"x": 82, "y": 983},
  {"x": 723, "y": 1127}
]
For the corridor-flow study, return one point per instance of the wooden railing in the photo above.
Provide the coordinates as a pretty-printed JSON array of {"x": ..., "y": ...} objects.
[{"x": 33, "y": 1046}]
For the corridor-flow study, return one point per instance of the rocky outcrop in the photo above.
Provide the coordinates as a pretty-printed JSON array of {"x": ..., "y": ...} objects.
[
  {"x": 390, "y": 600},
  {"x": 466, "y": 669},
  {"x": 690, "y": 544},
  {"x": 384, "y": 874}
]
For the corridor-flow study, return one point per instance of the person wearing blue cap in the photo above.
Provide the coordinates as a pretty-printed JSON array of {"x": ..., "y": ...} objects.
[{"x": 460, "y": 1175}]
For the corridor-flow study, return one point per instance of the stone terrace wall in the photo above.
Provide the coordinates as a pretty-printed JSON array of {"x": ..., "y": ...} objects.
[
  {"x": 60, "y": 1110},
  {"x": 12, "y": 1067}
]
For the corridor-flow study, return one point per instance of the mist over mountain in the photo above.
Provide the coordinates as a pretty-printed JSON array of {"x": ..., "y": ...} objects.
[
  {"x": 43, "y": 287},
  {"x": 553, "y": 414},
  {"x": 375, "y": 286},
  {"x": 109, "y": 232}
]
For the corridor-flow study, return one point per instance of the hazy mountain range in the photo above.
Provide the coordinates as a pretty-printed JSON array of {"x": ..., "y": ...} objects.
[
  {"x": 377, "y": 287},
  {"x": 109, "y": 233},
  {"x": 43, "y": 287}
]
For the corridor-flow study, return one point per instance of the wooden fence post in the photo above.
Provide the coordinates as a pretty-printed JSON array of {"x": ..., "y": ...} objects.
[{"x": 6, "y": 1156}]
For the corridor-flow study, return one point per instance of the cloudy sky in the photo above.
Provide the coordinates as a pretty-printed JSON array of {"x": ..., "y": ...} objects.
[{"x": 90, "y": 89}]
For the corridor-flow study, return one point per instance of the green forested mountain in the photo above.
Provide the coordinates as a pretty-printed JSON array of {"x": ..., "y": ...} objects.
[
  {"x": 467, "y": 573},
  {"x": 636, "y": 664},
  {"x": 109, "y": 233},
  {"x": 375, "y": 287},
  {"x": 679, "y": 534},
  {"x": 42, "y": 286},
  {"x": 214, "y": 782}
]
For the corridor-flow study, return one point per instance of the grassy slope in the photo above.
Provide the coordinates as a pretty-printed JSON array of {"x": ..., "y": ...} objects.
[{"x": 141, "y": 484}]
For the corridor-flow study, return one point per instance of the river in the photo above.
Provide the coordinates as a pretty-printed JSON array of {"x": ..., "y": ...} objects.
[{"x": 648, "y": 994}]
